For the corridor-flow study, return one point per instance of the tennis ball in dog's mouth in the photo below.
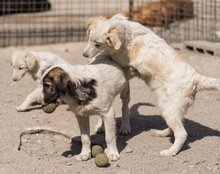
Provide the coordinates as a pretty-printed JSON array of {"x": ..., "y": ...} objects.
[
  {"x": 96, "y": 149},
  {"x": 49, "y": 108},
  {"x": 101, "y": 160}
]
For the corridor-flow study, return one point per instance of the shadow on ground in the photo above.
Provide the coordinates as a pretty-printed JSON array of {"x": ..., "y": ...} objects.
[{"x": 142, "y": 123}]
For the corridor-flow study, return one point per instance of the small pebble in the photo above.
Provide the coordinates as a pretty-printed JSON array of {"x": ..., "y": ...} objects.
[
  {"x": 184, "y": 171},
  {"x": 123, "y": 171},
  {"x": 69, "y": 164},
  {"x": 39, "y": 141},
  {"x": 216, "y": 169},
  {"x": 69, "y": 155},
  {"x": 209, "y": 168},
  {"x": 129, "y": 150},
  {"x": 116, "y": 165},
  {"x": 25, "y": 140}
]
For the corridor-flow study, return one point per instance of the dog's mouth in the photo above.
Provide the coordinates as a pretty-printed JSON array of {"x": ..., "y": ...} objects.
[{"x": 57, "y": 102}]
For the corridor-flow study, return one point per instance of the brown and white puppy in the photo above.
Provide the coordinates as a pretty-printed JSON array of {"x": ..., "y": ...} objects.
[
  {"x": 88, "y": 90},
  {"x": 33, "y": 63}
]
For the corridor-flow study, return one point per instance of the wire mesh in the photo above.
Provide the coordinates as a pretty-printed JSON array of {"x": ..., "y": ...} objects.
[
  {"x": 180, "y": 20},
  {"x": 28, "y": 22}
]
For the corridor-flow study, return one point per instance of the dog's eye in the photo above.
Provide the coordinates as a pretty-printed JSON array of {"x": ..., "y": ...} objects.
[
  {"x": 88, "y": 32},
  {"x": 98, "y": 45},
  {"x": 46, "y": 85},
  {"x": 20, "y": 68}
]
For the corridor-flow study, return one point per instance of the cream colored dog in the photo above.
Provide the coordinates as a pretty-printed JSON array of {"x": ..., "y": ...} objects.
[
  {"x": 174, "y": 81},
  {"x": 34, "y": 63}
]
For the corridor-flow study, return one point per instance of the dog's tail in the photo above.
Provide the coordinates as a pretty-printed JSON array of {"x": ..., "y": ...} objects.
[{"x": 207, "y": 83}]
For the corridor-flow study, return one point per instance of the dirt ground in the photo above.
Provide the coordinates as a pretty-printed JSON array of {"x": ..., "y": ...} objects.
[{"x": 53, "y": 154}]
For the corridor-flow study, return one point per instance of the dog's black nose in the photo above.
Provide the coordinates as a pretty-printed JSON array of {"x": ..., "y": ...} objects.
[{"x": 85, "y": 54}]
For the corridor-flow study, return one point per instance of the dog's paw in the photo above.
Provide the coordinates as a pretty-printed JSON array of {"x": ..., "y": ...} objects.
[
  {"x": 153, "y": 132},
  {"x": 21, "y": 108},
  {"x": 168, "y": 152},
  {"x": 112, "y": 155},
  {"x": 160, "y": 133},
  {"x": 125, "y": 129},
  {"x": 83, "y": 156}
]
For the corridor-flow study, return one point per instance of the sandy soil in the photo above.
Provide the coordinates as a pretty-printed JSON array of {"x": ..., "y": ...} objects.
[{"x": 53, "y": 153}]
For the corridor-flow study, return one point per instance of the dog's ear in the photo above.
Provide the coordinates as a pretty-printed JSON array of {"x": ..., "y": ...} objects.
[
  {"x": 85, "y": 91},
  {"x": 71, "y": 87},
  {"x": 60, "y": 83},
  {"x": 31, "y": 61},
  {"x": 120, "y": 16},
  {"x": 59, "y": 80},
  {"x": 114, "y": 38},
  {"x": 94, "y": 21},
  {"x": 64, "y": 84},
  {"x": 89, "y": 23}
]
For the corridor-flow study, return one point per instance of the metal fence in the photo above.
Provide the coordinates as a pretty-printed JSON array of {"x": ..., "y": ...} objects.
[{"x": 28, "y": 22}]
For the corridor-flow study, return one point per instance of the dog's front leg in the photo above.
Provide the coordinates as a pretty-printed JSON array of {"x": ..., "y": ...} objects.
[
  {"x": 85, "y": 138},
  {"x": 31, "y": 98},
  {"x": 110, "y": 135},
  {"x": 125, "y": 97}
]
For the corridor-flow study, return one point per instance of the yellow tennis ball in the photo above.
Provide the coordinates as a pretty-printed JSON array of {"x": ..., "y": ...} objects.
[
  {"x": 97, "y": 149},
  {"x": 101, "y": 160},
  {"x": 49, "y": 108}
]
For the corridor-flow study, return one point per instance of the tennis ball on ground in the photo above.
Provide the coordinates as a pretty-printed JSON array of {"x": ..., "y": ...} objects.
[
  {"x": 49, "y": 108},
  {"x": 101, "y": 160},
  {"x": 96, "y": 149}
]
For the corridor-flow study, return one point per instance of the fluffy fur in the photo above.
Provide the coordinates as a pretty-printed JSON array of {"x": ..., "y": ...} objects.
[
  {"x": 174, "y": 81},
  {"x": 88, "y": 90},
  {"x": 34, "y": 63}
]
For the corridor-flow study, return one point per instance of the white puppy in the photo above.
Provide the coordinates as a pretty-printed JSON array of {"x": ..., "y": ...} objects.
[
  {"x": 88, "y": 90},
  {"x": 174, "y": 81},
  {"x": 34, "y": 63}
]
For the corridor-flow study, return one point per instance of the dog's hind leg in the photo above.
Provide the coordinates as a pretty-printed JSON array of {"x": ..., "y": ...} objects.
[
  {"x": 125, "y": 97},
  {"x": 173, "y": 116},
  {"x": 125, "y": 124},
  {"x": 110, "y": 135},
  {"x": 31, "y": 98}
]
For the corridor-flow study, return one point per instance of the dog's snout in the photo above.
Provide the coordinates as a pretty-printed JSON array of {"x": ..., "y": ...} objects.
[
  {"x": 14, "y": 79},
  {"x": 85, "y": 54}
]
